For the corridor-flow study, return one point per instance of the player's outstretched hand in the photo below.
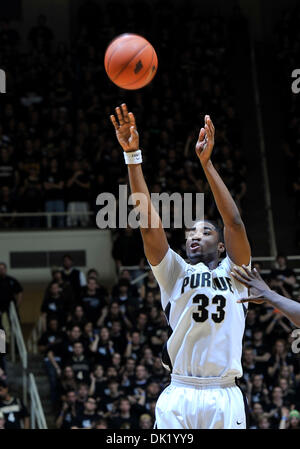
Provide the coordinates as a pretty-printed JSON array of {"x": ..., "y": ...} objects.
[
  {"x": 125, "y": 128},
  {"x": 252, "y": 280},
  {"x": 206, "y": 140}
]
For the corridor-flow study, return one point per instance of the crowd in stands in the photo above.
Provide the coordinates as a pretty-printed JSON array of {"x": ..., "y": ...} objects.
[
  {"x": 102, "y": 347},
  {"x": 58, "y": 150},
  {"x": 287, "y": 47},
  {"x": 102, "y": 351}
]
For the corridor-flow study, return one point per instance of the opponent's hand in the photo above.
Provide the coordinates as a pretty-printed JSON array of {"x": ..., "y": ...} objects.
[
  {"x": 206, "y": 141},
  {"x": 125, "y": 128},
  {"x": 252, "y": 280}
]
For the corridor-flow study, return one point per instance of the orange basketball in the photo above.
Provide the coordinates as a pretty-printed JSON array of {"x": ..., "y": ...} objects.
[{"x": 130, "y": 61}]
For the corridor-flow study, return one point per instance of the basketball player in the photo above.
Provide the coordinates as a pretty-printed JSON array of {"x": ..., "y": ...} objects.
[
  {"x": 199, "y": 298},
  {"x": 260, "y": 293}
]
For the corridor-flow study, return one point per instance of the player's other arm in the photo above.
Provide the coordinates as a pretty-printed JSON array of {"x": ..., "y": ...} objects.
[
  {"x": 236, "y": 241},
  {"x": 154, "y": 237}
]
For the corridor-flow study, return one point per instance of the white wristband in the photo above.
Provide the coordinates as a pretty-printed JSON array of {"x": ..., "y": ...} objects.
[{"x": 134, "y": 157}]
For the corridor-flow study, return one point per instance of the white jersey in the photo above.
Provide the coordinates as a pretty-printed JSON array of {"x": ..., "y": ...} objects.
[{"x": 206, "y": 323}]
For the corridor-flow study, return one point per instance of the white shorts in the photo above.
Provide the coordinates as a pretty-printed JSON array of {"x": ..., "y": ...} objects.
[{"x": 201, "y": 403}]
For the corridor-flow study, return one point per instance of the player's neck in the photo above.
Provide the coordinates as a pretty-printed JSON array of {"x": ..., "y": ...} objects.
[{"x": 210, "y": 263}]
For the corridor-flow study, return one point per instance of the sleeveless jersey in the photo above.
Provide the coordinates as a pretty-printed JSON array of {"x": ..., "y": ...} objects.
[{"x": 206, "y": 324}]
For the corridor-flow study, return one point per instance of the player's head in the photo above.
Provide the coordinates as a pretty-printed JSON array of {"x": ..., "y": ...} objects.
[{"x": 204, "y": 242}]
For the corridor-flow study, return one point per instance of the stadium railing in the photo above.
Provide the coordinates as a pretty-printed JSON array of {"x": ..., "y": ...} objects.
[
  {"x": 36, "y": 410},
  {"x": 28, "y": 380},
  {"x": 17, "y": 218},
  {"x": 17, "y": 339}
]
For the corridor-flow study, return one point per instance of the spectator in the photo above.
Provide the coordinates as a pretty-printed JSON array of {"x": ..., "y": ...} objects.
[
  {"x": 73, "y": 276},
  {"x": 32, "y": 197},
  {"x": 128, "y": 251},
  {"x": 145, "y": 421},
  {"x": 14, "y": 411},
  {"x": 89, "y": 415},
  {"x": 279, "y": 358},
  {"x": 67, "y": 382},
  {"x": 125, "y": 418},
  {"x": 7, "y": 206},
  {"x": 257, "y": 390},
  {"x": 263, "y": 422},
  {"x": 53, "y": 305},
  {"x": 40, "y": 35},
  {"x": 98, "y": 382},
  {"x": 256, "y": 411},
  {"x": 103, "y": 347},
  {"x": 112, "y": 393},
  {"x": 93, "y": 299},
  {"x": 77, "y": 191},
  {"x": 284, "y": 274},
  {"x": 249, "y": 367},
  {"x": 80, "y": 363},
  {"x": 77, "y": 317},
  {"x": 69, "y": 411},
  {"x": 11, "y": 291},
  {"x": 51, "y": 337},
  {"x": 261, "y": 352},
  {"x": 53, "y": 184}
]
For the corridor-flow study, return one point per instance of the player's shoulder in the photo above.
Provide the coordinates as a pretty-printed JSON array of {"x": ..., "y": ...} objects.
[{"x": 227, "y": 264}]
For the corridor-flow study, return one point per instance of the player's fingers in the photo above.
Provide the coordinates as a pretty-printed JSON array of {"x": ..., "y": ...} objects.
[
  {"x": 201, "y": 135},
  {"x": 114, "y": 122},
  {"x": 120, "y": 116},
  {"x": 210, "y": 125},
  {"x": 249, "y": 299},
  {"x": 131, "y": 119},
  {"x": 242, "y": 273},
  {"x": 240, "y": 279},
  {"x": 248, "y": 271},
  {"x": 208, "y": 131},
  {"x": 125, "y": 112},
  {"x": 257, "y": 275}
]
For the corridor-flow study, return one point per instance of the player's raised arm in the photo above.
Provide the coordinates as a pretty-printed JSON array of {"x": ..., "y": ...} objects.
[
  {"x": 236, "y": 241},
  {"x": 154, "y": 238}
]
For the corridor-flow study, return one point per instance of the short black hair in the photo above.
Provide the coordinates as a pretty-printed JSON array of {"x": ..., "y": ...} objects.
[
  {"x": 215, "y": 225},
  {"x": 217, "y": 228}
]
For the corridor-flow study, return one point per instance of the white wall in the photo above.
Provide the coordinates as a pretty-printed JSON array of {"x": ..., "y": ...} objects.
[{"x": 96, "y": 243}]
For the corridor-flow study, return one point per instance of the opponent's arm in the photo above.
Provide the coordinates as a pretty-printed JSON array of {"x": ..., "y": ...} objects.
[
  {"x": 236, "y": 241},
  {"x": 260, "y": 292},
  {"x": 154, "y": 237}
]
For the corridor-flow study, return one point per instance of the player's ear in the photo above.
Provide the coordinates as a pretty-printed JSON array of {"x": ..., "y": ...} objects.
[{"x": 221, "y": 248}]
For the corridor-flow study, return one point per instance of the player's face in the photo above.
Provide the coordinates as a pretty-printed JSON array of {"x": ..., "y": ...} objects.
[{"x": 202, "y": 241}]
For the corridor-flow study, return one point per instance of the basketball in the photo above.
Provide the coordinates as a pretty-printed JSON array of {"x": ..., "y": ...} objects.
[{"x": 130, "y": 61}]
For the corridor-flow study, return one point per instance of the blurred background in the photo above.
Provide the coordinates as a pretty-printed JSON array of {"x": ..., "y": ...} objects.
[{"x": 81, "y": 311}]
